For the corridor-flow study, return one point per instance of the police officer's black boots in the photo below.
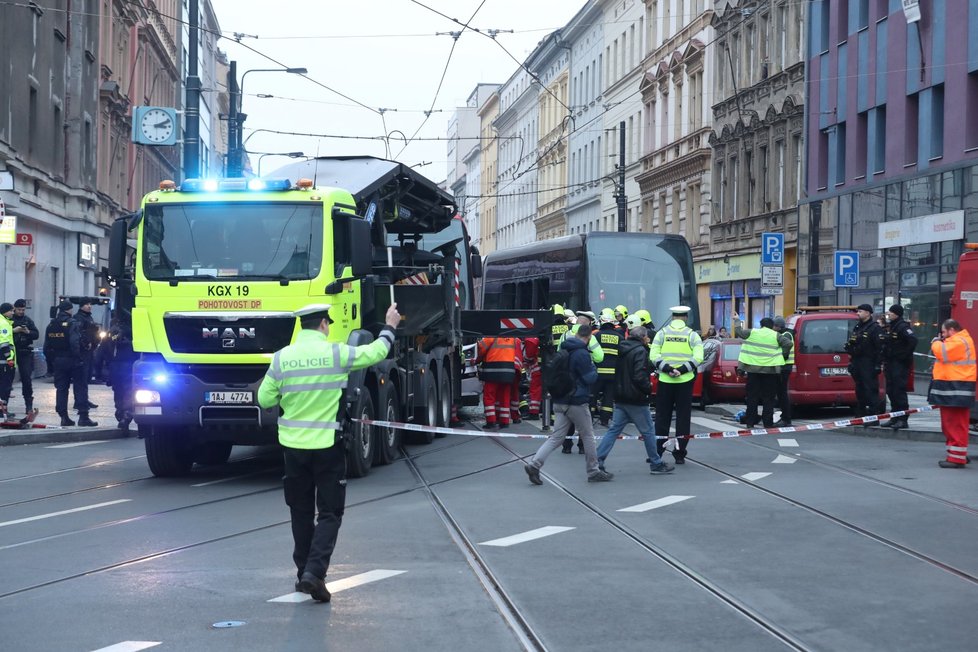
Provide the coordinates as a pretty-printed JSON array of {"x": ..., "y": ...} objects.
[
  {"x": 83, "y": 420},
  {"x": 66, "y": 421}
]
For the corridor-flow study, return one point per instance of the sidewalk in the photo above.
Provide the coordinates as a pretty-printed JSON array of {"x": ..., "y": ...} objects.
[{"x": 52, "y": 432}]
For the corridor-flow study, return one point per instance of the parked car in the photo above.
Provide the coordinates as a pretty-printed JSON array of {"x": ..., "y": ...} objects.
[
  {"x": 821, "y": 374},
  {"x": 720, "y": 381}
]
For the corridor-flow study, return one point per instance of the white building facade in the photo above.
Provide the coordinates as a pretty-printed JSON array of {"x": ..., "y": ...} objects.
[{"x": 517, "y": 130}]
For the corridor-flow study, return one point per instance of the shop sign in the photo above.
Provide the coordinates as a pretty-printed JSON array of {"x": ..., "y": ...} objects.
[
  {"x": 87, "y": 252},
  {"x": 8, "y": 227},
  {"x": 939, "y": 227},
  {"x": 735, "y": 269}
]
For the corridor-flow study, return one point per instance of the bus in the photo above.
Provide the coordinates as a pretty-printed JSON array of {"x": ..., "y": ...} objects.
[{"x": 593, "y": 271}]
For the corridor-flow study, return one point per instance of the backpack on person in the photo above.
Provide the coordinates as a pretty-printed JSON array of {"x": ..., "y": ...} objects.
[{"x": 557, "y": 378}]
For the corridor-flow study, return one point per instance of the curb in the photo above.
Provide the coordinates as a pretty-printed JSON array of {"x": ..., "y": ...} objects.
[{"x": 58, "y": 435}]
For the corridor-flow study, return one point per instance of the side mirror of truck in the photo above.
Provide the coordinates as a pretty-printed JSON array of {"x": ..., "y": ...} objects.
[
  {"x": 360, "y": 247},
  {"x": 475, "y": 262},
  {"x": 117, "y": 248}
]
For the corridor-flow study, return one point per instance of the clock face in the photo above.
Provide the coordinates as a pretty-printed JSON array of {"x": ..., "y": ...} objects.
[{"x": 156, "y": 126}]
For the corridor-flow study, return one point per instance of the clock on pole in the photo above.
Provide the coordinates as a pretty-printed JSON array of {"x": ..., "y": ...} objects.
[{"x": 154, "y": 125}]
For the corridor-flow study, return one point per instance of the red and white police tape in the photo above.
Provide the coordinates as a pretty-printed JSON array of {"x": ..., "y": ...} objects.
[{"x": 729, "y": 434}]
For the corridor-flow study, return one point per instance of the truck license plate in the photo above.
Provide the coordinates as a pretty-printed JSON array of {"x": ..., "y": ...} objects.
[
  {"x": 834, "y": 371},
  {"x": 227, "y": 397}
]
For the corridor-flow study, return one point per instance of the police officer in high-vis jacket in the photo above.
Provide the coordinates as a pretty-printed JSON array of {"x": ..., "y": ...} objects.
[
  {"x": 677, "y": 350},
  {"x": 306, "y": 379},
  {"x": 8, "y": 353}
]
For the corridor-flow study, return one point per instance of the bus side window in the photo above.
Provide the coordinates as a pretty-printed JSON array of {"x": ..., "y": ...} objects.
[
  {"x": 541, "y": 293},
  {"x": 507, "y": 298}
]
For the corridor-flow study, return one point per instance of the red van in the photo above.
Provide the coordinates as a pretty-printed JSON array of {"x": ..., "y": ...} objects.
[
  {"x": 821, "y": 375},
  {"x": 964, "y": 301}
]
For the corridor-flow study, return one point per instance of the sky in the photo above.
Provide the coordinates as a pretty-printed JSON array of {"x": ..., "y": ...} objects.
[{"x": 380, "y": 54}]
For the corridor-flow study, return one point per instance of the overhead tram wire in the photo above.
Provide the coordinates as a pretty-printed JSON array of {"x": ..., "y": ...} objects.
[{"x": 455, "y": 36}]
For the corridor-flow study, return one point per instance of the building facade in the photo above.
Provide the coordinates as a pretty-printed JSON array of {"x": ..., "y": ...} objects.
[
  {"x": 675, "y": 177},
  {"x": 488, "y": 179},
  {"x": 549, "y": 64},
  {"x": 584, "y": 35},
  {"x": 757, "y": 136},
  {"x": 892, "y": 154},
  {"x": 624, "y": 51},
  {"x": 464, "y": 176},
  {"x": 517, "y": 128}
]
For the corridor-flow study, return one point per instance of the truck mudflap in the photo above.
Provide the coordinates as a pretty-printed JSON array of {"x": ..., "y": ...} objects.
[{"x": 507, "y": 323}]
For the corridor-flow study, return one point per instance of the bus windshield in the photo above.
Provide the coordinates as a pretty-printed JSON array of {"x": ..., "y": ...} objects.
[
  {"x": 641, "y": 272},
  {"x": 248, "y": 241}
]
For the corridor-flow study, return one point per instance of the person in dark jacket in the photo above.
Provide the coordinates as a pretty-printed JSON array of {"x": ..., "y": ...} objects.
[
  {"x": 83, "y": 338},
  {"x": 573, "y": 409},
  {"x": 25, "y": 334},
  {"x": 899, "y": 344},
  {"x": 64, "y": 363},
  {"x": 633, "y": 391},
  {"x": 120, "y": 356},
  {"x": 863, "y": 347}
]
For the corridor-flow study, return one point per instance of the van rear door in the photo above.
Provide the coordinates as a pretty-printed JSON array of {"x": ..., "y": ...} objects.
[{"x": 821, "y": 360}]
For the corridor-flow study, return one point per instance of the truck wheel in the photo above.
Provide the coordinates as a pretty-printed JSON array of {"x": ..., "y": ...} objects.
[
  {"x": 212, "y": 453},
  {"x": 168, "y": 455},
  {"x": 426, "y": 415},
  {"x": 444, "y": 398},
  {"x": 360, "y": 454},
  {"x": 388, "y": 439}
]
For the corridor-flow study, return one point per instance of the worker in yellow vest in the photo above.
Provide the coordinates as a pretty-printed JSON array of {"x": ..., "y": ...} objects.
[{"x": 761, "y": 357}]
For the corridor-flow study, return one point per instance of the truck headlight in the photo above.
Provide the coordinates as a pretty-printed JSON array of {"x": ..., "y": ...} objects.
[{"x": 147, "y": 396}]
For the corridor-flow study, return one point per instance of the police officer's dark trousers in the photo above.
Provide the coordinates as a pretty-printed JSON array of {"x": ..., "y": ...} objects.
[
  {"x": 68, "y": 371},
  {"x": 897, "y": 374},
  {"x": 670, "y": 398},
  {"x": 82, "y": 372},
  {"x": 6, "y": 380},
  {"x": 315, "y": 480},
  {"x": 120, "y": 375},
  {"x": 867, "y": 383},
  {"x": 25, "y": 367}
]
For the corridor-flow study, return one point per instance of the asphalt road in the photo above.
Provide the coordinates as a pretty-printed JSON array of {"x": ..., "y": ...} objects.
[{"x": 816, "y": 542}]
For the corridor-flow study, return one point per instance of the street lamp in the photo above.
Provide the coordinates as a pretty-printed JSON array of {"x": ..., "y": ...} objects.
[
  {"x": 238, "y": 118},
  {"x": 289, "y": 154}
]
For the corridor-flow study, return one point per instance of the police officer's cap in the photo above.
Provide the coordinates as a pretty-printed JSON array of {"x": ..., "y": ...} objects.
[
  {"x": 587, "y": 313},
  {"x": 65, "y": 305},
  {"x": 680, "y": 310},
  {"x": 314, "y": 311}
]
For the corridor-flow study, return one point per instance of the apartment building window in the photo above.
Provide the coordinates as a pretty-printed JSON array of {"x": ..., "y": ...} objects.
[
  {"x": 614, "y": 59},
  {"x": 663, "y": 227},
  {"x": 779, "y": 166},
  {"x": 765, "y": 172},
  {"x": 912, "y": 115},
  {"x": 879, "y": 133},
  {"x": 631, "y": 45},
  {"x": 696, "y": 100},
  {"x": 676, "y": 204},
  {"x": 862, "y": 16},
  {"x": 882, "y": 9},
  {"x": 842, "y": 16},
  {"x": 630, "y": 155},
  {"x": 32, "y": 122},
  {"x": 735, "y": 187},
  {"x": 781, "y": 25},
  {"x": 822, "y": 34},
  {"x": 765, "y": 33},
  {"x": 840, "y": 153},
  {"x": 971, "y": 112},
  {"x": 798, "y": 154},
  {"x": 624, "y": 54},
  {"x": 649, "y": 127},
  {"x": 823, "y": 160},
  {"x": 678, "y": 127},
  {"x": 751, "y": 180},
  {"x": 652, "y": 13},
  {"x": 721, "y": 71},
  {"x": 665, "y": 119},
  {"x": 862, "y": 143},
  {"x": 721, "y": 183},
  {"x": 693, "y": 213},
  {"x": 749, "y": 43},
  {"x": 57, "y": 136},
  {"x": 937, "y": 122}
]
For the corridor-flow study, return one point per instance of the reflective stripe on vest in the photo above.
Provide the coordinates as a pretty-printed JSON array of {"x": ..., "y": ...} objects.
[{"x": 761, "y": 349}]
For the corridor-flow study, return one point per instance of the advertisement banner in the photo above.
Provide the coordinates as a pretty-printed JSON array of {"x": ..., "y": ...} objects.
[{"x": 939, "y": 227}]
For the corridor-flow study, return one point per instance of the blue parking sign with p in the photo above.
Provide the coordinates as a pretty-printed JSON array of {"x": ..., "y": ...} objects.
[
  {"x": 772, "y": 248},
  {"x": 846, "y": 269}
]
